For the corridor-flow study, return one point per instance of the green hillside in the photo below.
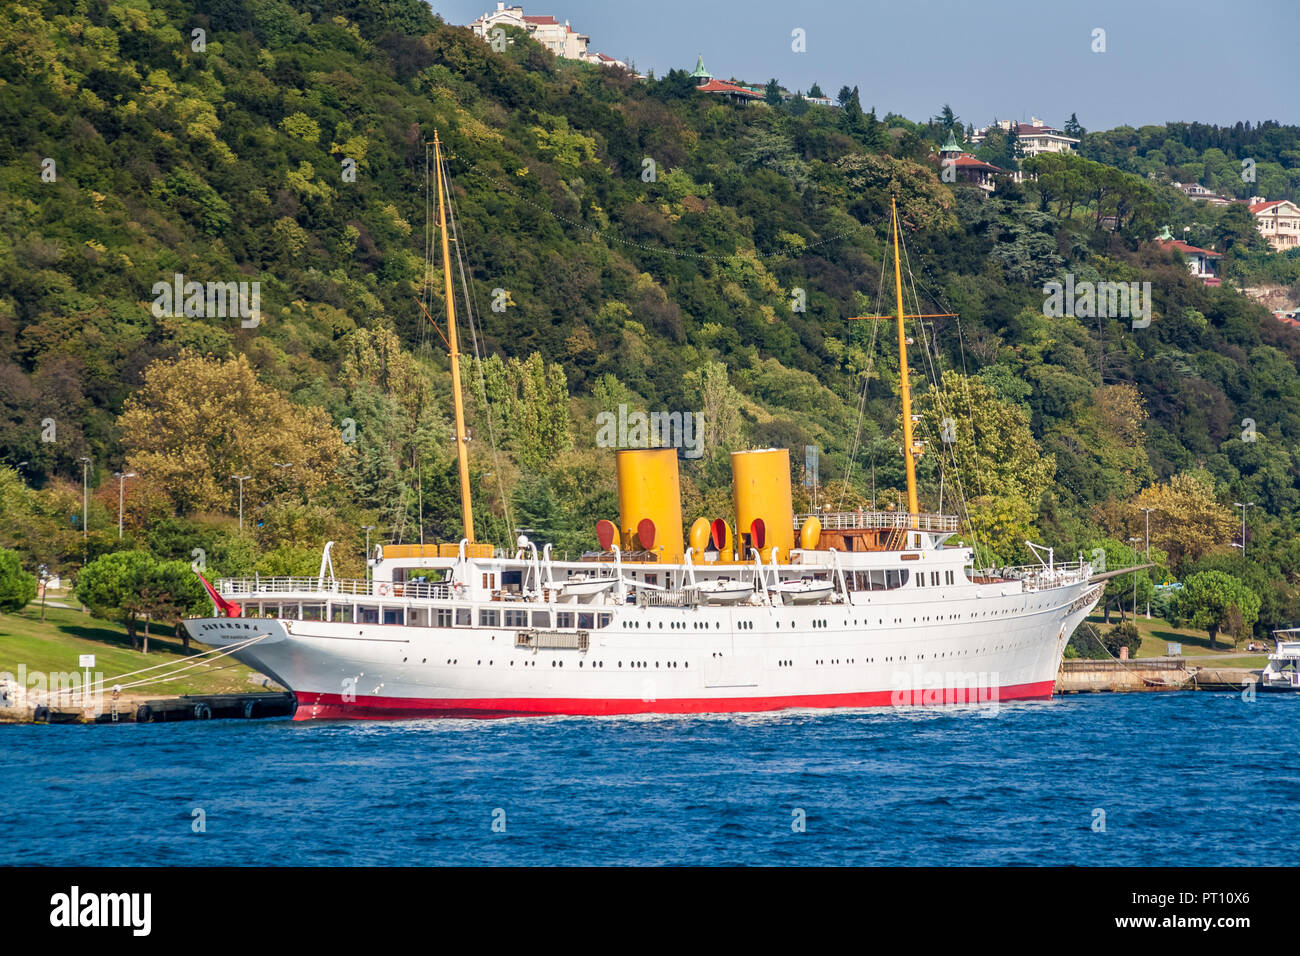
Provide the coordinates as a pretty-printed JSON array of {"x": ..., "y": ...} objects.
[{"x": 285, "y": 144}]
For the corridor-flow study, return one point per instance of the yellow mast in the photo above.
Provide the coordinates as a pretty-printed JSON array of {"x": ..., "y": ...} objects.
[
  {"x": 909, "y": 460},
  {"x": 462, "y": 452}
]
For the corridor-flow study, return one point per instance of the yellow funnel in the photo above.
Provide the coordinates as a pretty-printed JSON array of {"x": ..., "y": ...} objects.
[
  {"x": 650, "y": 503},
  {"x": 764, "y": 509}
]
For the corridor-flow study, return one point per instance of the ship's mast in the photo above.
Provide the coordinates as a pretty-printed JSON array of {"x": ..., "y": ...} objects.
[
  {"x": 462, "y": 450},
  {"x": 909, "y": 458},
  {"x": 911, "y": 450}
]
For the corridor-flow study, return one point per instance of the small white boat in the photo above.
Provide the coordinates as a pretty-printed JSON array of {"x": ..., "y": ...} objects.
[
  {"x": 586, "y": 586},
  {"x": 722, "y": 590},
  {"x": 1283, "y": 670},
  {"x": 805, "y": 591}
]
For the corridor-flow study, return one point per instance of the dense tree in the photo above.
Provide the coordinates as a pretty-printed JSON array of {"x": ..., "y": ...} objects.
[
  {"x": 947, "y": 120},
  {"x": 17, "y": 587},
  {"x": 112, "y": 588},
  {"x": 1216, "y": 602},
  {"x": 196, "y": 421}
]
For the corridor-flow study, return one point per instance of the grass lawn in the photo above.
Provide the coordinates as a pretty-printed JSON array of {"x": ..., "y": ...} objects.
[
  {"x": 67, "y": 633},
  {"x": 1157, "y": 634}
]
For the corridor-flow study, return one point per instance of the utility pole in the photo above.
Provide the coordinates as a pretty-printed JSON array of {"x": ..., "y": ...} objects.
[
  {"x": 241, "y": 479},
  {"x": 121, "y": 477},
  {"x": 1243, "y": 507}
]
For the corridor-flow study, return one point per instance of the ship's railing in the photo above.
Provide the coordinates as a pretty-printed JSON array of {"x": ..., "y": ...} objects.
[
  {"x": 1036, "y": 577},
  {"x": 259, "y": 586},
  {"x": 867, "y": 520},
  {"x": 647, "y": 598}
]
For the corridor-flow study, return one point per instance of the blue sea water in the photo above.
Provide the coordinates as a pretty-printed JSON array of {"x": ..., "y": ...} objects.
[{"x": 1182, "y": 779}]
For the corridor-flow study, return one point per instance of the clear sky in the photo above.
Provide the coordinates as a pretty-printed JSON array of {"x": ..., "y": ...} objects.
[{"x": 1164, "y": 60}]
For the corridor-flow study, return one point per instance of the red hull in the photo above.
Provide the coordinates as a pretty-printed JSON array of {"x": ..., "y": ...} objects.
[{"x": 334, "y": 707}]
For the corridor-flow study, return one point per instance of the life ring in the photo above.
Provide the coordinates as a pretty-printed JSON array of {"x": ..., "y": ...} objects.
[
  {"x": 458, "y": 590},
  {"x": 384, "y": 590}
]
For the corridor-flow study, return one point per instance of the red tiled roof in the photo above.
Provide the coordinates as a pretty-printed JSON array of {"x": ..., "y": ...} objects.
[
  {"x": 718, "y": 86},
  {"x": 1261, "y": 206},
  {"x": 967, "y": 161},
  {"x": 542, "y": 20},
  {"x": 1191, "y": 250}
]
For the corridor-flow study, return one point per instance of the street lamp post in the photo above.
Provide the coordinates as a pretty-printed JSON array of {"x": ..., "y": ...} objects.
[
  {"x": 1133, "y": 541},
  {"x": 367, "y": 529},
  {"x": 85, "y": 503},
  {"x": 1243, "y": 507},
  {"x": 241, "y": 479},
  {"x": 1148, "y": 548},
  {"x": 121, "y": 477}
]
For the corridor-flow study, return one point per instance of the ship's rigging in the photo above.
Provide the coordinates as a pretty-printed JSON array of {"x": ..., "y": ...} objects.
[{"x": 440, "y": 218}]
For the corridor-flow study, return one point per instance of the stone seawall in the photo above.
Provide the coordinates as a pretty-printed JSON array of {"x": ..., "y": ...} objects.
[{"x": 1156, "y": 673}]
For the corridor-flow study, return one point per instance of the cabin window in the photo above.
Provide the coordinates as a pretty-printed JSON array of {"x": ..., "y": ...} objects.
[
  {"x": 947, "y": 576},
  {"x": 516, "y": 618},
  {"x": 442, "y": 617},
  {"x": 603, "y": 620},
  {"x": 463, "y": 617},
  {"x": 541, "y": 619},
  {"x": 564, "y": 619},
  {"x": 586, "y": 620},
  {"x": 393, "y": 615},
  {"x": 652, "y": 579},
  {"x": 920, "y": 580},
  {"x": 313, "y": 612},
  {"x": 489, "y": 618},
  {"x": 270, "y": 610},
  {"x": 934, "y": 578},
  {"x": 341, "y": 613},
  {"x": 367, "y": 614}
]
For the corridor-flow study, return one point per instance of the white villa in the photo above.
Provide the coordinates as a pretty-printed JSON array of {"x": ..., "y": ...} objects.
[
  {"x": 1035, "y": 137},
  {"x": 1202, "y": 263},
  {"x": 1278, "y": 222},
  {"x": 560, "y": 38},
  {"x": 1201, "y": 194}
]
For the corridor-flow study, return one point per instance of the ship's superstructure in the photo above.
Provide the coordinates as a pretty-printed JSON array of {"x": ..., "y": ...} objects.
[{"x": 758, "y": 609}]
